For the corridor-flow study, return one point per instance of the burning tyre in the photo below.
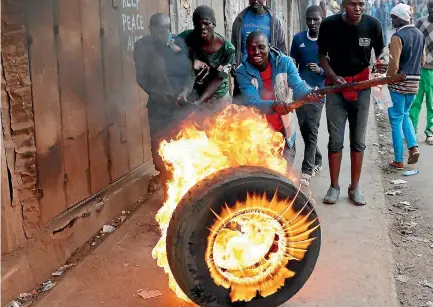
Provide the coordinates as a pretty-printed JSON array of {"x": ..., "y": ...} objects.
[
  {"x": 235, "y": 230},
  {"x": 243, "y": 236}
]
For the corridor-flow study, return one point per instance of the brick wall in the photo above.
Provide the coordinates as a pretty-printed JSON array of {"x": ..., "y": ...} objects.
[{"x": 17, "y": 117}]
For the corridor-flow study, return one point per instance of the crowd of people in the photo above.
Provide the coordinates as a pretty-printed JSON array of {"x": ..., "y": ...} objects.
[{"x": 195, "y": 67}]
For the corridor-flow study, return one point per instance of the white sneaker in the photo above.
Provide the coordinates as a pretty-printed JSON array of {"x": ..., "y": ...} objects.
[
  {"x": 317, "y": 169},
  {"x": 305, "y": 180}
]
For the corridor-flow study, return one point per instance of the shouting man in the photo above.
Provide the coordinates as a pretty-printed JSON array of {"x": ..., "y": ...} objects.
[
  {"x": 212, "y": 56},
  {"x": 425, "y": 25},
  {"x": 264, "y": 77},
  {"x": 257, "y": 16},
  {"x": 305, "y": 53},
  {"x": 165, "y": 73},
  {"x": 345, "y": 44}
]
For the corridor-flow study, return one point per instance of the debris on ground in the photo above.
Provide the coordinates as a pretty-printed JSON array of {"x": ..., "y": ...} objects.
[
  {"x": 411, "y": 172},
  {"x": 404, "y": 205},
  {"x": 410, "y": 228},
  {"x": 62, "y": 269},
  {"x": 416, "y": 239},
  {"x": 154, "y": 184},
  {"x": 402, "y": 278},
  {"x": 48, "y": 285},
  {"x": 398, "y": 181},
  {"x": 428, "y": 284},
  {"x": 108, "y": 228},
  {"x": 13, "y": 304},
  {"x": 393, "y": 192},
  {"x": 149, "y": 294}
]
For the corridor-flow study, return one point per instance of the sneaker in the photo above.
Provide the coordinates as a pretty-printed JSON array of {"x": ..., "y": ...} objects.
[
  {"x": 305, "y": 179},
  {"x": 397, "y": 165},
  {"x": 317, "y": 169}
]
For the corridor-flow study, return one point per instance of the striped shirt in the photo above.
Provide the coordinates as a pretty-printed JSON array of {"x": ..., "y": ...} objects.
[
  {"x": 426, "y": 27},
  {"x": 407, "y": 54}
]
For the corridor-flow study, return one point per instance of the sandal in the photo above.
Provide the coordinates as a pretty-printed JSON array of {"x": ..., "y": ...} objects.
[
  {"x": 331, "y": 196},
  {"x": 429, "y": 140},
  {"x": 356, "y": 196}
]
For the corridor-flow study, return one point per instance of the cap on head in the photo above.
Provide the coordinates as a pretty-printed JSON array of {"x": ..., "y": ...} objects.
[
  {"x": 203, "y": 12},
  {"x": 402, "y": 11}
]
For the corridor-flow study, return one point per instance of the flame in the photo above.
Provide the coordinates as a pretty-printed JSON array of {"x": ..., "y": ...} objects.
[
  {"x": 251, "y": 243},
  {"x": 233, "y": 137}
]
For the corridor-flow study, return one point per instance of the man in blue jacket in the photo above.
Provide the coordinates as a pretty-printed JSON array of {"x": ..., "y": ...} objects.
[{"x": 265, "y": 77}]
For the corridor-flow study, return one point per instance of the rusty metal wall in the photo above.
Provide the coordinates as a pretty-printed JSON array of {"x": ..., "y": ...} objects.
[{"x": 74, "y": 119}]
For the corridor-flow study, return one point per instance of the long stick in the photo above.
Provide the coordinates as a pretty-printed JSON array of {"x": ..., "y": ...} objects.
[{"x": 356, "y": 86}]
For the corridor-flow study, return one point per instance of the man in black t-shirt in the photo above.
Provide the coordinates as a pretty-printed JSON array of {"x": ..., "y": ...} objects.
[{"x": 345, "y": 44}]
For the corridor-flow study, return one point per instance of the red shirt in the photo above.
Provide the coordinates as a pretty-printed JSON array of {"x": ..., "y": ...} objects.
[{"x": 268, "y": 94}]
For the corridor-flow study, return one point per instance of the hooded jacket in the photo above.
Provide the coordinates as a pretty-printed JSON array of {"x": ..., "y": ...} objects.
[
  {"x": 278, "y": 38},
  {"x": 285, "y": 76}
]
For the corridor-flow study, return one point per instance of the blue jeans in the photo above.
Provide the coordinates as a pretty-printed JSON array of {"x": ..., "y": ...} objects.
[{"x": 400, "y": 121}]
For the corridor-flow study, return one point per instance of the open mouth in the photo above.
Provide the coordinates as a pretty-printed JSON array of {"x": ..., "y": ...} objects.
[
  {"x": 258, "y": 59},
  {"x": 203, "y": 34}
]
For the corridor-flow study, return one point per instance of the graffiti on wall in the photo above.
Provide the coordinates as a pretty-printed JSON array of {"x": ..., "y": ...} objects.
[{"x": 132, "y": 22}]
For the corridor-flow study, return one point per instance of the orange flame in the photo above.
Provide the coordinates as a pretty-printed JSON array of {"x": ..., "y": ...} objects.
[
  {"x": 236, "y": 136},
  {"x": 250, "y": 244}
]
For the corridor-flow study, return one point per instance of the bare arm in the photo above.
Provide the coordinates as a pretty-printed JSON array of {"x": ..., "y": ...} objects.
[
  {"x": 394, "y": 55},
  {"x": 210, "y": 89}
]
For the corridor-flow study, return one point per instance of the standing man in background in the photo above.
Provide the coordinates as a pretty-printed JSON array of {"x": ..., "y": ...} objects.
[
  {"x": 406, "y": 53},
  {"x": 382, "y": 15},
  {"x": 165, "y": 73},
  {"x": 257, "y": 16},
  {"x": 305, "y": 53},
  {"x": 345, "y": 45},
  {"x": 425, "y": 25}
]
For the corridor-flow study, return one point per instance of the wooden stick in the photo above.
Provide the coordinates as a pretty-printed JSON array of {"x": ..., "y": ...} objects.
[{"x": 356, "y": 86}]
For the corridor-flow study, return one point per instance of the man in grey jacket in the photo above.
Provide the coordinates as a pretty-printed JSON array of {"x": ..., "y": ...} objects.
[{"x": 257, "y": 16}]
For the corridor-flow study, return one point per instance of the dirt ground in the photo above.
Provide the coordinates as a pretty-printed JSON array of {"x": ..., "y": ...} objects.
[{"x": 410, "y": 216}]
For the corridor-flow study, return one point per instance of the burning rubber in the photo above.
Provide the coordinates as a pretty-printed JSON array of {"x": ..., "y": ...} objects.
[{"x": 235, "y": 227}]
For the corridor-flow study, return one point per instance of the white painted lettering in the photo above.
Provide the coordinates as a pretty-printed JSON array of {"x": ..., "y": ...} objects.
[
  {"x": 141, "y": 22},
  {"x": 133, "y": 24},
  {"x": 130, "y": 43},
  {"x": 128, "y": 22},
  {"x": 138, "y": 1},
  {"x": 124, "y": 3},
  {"x": 124, "y": 21},
  {"x": 128, "y": 3}
]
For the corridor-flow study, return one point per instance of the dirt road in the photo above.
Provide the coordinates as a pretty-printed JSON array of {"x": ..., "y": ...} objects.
[
  {"x": 355, "y": 267},
  {"x": 411, "y": 217}
]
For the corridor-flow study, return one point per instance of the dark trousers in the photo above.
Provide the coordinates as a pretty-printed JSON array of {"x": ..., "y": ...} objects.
[
  {"x": 309, "y": 121},
  {"x": 339, "y": 111},
  {"x": 164, "y": 124}
]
